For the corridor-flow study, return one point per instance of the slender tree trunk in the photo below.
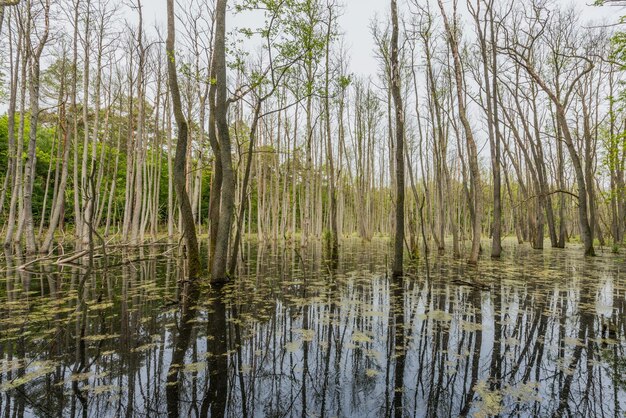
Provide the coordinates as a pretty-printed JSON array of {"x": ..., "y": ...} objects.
[
  {"x": 469, "y": 136},
  {"x": 398, "y": 261},
  {"x": 78, "y": 219},
  {"x": 136, "y": 219},
  {"x": 489, "y": 62},
  {"x": 585, "y": 228},
  {"x": 14, "y": 59},
  {"x": 220, "y": 108},
  {"x": 334, "y": 238},
  {"x": 35, "y": 56},
  {"x": 244, "y": 188},
  {"x": 586, "y": 231},
  {"x": 59, "y": 200},
  {"x": 170, "y": 171},
  {"x": 216, "y": 181},
  {"x": 16, "y": 195},
  {"x": 189, "y": 227}
]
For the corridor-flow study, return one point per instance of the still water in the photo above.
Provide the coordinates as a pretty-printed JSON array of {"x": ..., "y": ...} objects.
[{"x": 534, "y": 334}]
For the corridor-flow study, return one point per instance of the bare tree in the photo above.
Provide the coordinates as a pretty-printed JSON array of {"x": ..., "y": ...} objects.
[
  {"x": 35, "y": 52},
  {"x": 452, "y": 36},
  {"x": 522, "y": 52}
]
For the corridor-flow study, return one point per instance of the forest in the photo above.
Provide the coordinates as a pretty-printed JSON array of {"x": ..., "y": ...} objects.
[{"x": 214, "y": 212}]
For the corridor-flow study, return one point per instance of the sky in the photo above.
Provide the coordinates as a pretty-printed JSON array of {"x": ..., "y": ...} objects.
[
  {"x": 356, "y": 19},
  {"x": 358, "y": 14},
  {"x": 355, "y": 24}
]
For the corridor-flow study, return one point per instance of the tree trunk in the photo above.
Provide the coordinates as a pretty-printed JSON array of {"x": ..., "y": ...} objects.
[
  {"x": 189, "y": 227},
  {"x": 399, "y": 157},
  {"x": 136, "y": 218},
  {"x": 334, "y": 238},
  {"x": 220, "y": 108},
  {"x": 244, "y": 188},
  {"x": 29, "y": 226},
  {"x": 469, "y": 136}
]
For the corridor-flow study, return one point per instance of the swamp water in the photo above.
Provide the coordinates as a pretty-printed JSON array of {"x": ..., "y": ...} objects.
[{"x": 534, "y": 334}]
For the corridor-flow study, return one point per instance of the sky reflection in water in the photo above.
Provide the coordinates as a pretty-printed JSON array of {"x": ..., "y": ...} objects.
[{"x": 536, "y": 334}]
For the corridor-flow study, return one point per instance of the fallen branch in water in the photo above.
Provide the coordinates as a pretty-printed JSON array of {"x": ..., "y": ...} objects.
[
  {"x": 73, "y": 257},
  {"x": 69, "y": 257}
]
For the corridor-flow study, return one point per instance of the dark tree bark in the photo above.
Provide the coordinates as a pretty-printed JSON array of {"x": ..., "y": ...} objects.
[
  {"x": 216, "y": 180},
  {"x": 399, "y": 108},
  {"x": 180, "y": 160},
  {"x": 220, "y": 108},
  {"x": 334, "y": 239},
  {"x": 496, "y": 249}
]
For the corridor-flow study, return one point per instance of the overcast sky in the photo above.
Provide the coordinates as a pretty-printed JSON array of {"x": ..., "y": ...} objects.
[
  {"x": 355, "y": 24},
  {"x": 358, "y": 14}
]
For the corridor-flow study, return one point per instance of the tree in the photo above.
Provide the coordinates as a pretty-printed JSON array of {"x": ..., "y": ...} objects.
[
  {"x": 180, "y": 163},
  {"x": 452, "y": 37},
  {"x": 523, "y": 54},
  {"x": 34, "y": 53},
  {"x": 3, "y": 4},
  {"x": 300, "y": 148},
  {"x": 219, "y": 107},
  {"x": 486, "y": 32},
  {"x": 399, "y": 157},
  {"x": 334, "y": 229}
]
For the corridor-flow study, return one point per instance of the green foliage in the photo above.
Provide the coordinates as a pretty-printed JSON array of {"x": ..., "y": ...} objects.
[
  {"x": 3, "y": 89},
  {"x": 47, "y": 153},
  {"x": 57, "y": 74},
  {"x": 293, "y": 31},
  {"x": 45, "y": 140},
  {"x": 615, "y": 142},
  {"x": 618, "y": 44},
  {"x": 4, "y": 130},
  {"x": 344, "y": 81},
  {"x": 327, "y": 236}
]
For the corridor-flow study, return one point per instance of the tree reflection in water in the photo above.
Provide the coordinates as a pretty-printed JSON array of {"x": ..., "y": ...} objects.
[{"x": 537, "y": 334}]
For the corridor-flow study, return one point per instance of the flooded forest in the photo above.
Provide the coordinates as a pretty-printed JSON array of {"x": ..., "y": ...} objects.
[{"x": 312, "y": 208}]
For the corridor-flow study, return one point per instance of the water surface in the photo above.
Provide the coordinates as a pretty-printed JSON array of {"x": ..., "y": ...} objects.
[{"x": 534, "y": 334}]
